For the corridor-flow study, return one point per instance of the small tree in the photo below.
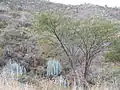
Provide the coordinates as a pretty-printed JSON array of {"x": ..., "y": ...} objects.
[{"x": 80, "y": 40}]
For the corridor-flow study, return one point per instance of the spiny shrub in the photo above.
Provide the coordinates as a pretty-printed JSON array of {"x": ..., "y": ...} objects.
[
  {"x": 3, "y": 24},
  {"x": 54, "y": 68}
]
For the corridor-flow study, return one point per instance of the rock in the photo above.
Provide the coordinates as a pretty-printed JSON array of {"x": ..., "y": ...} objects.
[
  {"x": 4, "y": 17},
  {"x": 15, "y": 15},
  {"x": 25, "y": 24}
]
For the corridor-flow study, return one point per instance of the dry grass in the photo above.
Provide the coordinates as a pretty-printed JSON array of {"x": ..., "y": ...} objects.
[
  {"x": 14, "y": 85},
  {"x": 9, "y": 83},
  {"x": 44, "y": 85}
]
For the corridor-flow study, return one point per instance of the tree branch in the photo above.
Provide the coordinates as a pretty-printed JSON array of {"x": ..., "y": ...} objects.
[{"x": 62, "y": 45}]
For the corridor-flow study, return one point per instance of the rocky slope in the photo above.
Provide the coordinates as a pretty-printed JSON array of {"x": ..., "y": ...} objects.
[
  {"x": 78, "y": 11},
  {"x": 15, "y": 43}
]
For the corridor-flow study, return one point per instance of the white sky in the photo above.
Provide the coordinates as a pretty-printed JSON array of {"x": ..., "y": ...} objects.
[{"x": 111, "y": 3}]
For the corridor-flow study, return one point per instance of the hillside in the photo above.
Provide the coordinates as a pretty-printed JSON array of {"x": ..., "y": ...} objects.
[
  {"x": 17, "y": 44},
  {"x": 77, "y": 11}
]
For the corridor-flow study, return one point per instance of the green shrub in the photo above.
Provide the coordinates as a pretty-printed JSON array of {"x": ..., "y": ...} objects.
[
  {"x": 114, "y": 54},
  {"x": 3, "y": 24}
]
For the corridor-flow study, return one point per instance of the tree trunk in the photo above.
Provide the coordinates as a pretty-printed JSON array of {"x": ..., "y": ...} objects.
[
  {"x": 86, "y": 73},
  {"x": 62, "y": 45}
]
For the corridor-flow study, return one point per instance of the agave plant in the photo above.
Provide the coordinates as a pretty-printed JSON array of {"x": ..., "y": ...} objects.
[{"x": 54, "y": 68}]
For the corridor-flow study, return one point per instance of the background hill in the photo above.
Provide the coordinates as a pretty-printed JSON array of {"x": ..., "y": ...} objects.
[{"x": 77, "y": 11}]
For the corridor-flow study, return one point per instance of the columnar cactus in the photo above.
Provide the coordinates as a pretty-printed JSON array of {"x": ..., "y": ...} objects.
[
  {"x": 15, "y": 69},
  {"x": 54, "y": 68}
]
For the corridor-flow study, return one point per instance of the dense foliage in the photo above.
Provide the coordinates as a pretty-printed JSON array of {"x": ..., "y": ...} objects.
[
  {"x": 114, "y": 53},
  {"x": 78, "y": 41}
]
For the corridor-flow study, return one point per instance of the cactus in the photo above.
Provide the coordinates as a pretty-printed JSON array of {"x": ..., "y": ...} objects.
[
  {"x": 54, "y": 68},
  {"x": 15, "y": 69}
]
